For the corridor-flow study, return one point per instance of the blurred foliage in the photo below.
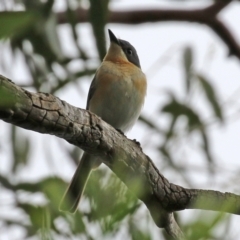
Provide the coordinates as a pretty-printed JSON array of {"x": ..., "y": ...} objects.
[
  {"x": 20, "y": 148},
  {"x": 34, "y": 33},
  {"x": 184, "y": 108},
  {"x": 203, "y": 228},
  {"x": 98, "y": 16},
  {"x": 15, "y": 23}
]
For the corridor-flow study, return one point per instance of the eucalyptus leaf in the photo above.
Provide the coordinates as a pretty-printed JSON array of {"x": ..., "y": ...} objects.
[
  {"x": 14, "y": 23},
  {"x": 206, "y": 146},
  {"x": 187, "y": 64},
  {"x": 211, "y": 96},
  {"x": 177, "y": 109},
  {"x": 138, "y": 233},
  {"x": 36, "y": 214},
  {"x": 21, "y": 148},
  {"x": 52, "y": 36},
  {"x": 98, "y": 17}
]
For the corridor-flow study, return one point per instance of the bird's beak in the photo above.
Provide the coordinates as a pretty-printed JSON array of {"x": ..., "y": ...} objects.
[{"x": 112, "y": 37}]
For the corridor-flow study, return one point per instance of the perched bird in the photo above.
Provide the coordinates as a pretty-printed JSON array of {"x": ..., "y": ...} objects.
[{"x": 116, "y": 94}]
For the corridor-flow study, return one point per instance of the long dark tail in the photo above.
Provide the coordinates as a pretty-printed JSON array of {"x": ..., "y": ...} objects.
[{"x": 75, "y": 189}]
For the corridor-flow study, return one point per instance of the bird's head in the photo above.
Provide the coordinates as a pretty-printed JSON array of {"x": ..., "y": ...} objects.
[{"x": 121, "y": 51}]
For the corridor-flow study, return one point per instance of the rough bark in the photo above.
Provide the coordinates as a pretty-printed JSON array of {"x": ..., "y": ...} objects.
[{"x": 47, "y": 114}]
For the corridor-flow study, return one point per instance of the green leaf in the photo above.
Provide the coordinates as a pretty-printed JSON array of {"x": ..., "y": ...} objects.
[
  {"x": 13, "y": 23},
  {"x": 151, "y": 124},
  {"x": 6, "y": 183},
  {"x": 73, "y": 79},
  {"x": 110, "y": 202},
  {"x": 52, "y": 36},
  {"x": 188, "y": 62},
  {"x": 210, "y": 95},
  {"x": 166, "y": 154},
  {"x": 98, "y": 16},
  {"x": 177, "y": 109},
  {"x": 53, "y": 188},
  {"x": 36, "y": 214},
  {"x": 21, "y": 147},
  {"x": 138, "y": 233},
  {"x": 206, "y": 146},
  {"x": 205, "y": 224},
  {"x": 40, "y": 218},
  {"x": 76, "y": 222}
]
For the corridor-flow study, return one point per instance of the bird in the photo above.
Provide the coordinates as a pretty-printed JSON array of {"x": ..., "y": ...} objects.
[{"x": 116, "y": 94}]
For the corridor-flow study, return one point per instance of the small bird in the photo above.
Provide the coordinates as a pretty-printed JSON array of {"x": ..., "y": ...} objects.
[{"x": 116, "y": 94}]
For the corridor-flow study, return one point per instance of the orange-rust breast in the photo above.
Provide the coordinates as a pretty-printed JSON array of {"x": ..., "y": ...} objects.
[{"x": 120, "y": 90}]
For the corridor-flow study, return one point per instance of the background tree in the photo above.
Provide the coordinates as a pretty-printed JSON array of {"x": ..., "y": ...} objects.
[{"x": 49, "y": 50}]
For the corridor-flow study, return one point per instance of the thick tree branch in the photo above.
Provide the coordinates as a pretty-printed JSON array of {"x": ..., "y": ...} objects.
[
  {"x": 207, "y": 16},
  {"x": 45, "y": 113}
]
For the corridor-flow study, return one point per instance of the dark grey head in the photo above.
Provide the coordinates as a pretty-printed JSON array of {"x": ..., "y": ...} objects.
[{"x": 127, "y": 48}]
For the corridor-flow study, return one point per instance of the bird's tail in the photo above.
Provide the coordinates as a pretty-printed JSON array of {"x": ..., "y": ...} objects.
[{"x": 72, "y": 196}]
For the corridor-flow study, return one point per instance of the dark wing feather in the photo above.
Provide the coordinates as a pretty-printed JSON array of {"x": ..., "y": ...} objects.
[{"x": 91, "y": 91}]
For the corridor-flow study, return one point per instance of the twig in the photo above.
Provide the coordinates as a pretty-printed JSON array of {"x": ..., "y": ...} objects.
[{"x": 207, "y": 16}]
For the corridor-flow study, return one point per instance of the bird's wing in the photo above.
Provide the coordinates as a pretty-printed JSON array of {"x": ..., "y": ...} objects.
[{"x": 91, "y": 91}]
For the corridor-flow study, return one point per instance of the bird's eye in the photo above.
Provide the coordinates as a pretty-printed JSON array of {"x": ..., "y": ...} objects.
[{"x": 129, "y": 51}]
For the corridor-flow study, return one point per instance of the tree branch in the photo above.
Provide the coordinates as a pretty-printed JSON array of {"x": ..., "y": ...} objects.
[
  {"x": 47, "y": 114},
  {"x": 207, "y": 16}
]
